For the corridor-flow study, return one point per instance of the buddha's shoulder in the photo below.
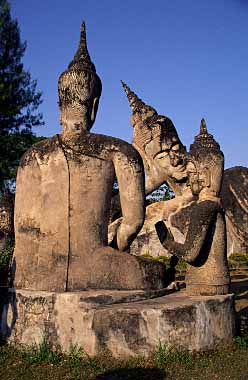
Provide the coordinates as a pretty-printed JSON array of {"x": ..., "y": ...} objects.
[
  {"x": 109, "y": 146},
  {"x": 40, "y": 150}
]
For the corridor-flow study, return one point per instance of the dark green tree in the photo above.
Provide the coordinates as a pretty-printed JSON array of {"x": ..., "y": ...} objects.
[{"x": 19, "y": 99}]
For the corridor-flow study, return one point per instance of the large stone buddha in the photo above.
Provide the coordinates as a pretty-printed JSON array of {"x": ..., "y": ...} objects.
[{"x": 63, "y": 196}]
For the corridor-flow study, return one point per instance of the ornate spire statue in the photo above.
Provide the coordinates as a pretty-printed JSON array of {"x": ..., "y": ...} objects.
[
  {"x": 202, "y": 221},
  {"x": 208, "y": 158}
]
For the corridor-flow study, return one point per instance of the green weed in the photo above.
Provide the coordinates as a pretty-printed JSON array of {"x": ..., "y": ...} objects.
[
  {"x": 161, "y": 355},
  {"x": 42, "y": 353},
  {"x": 6, "y": 255},
  {"x": 38, "y": 363},
  {"x": 237, "y": 257},
  {"x": 241, "y": 341},
  {"x": 169, "y": 355}
]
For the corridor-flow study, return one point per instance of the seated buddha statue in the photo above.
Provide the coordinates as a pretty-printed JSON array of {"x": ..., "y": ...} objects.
[{"x": 63, "y": 197}]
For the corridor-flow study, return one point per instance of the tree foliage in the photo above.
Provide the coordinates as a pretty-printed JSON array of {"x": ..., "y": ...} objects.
[
  {"x": 12, "y": 147},
  {"x": 163, "y": 193},
  {"x": 19, "y": 98}
]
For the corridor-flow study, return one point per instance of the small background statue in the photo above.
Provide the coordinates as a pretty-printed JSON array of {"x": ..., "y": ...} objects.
[{"x": 202, "y": 222}]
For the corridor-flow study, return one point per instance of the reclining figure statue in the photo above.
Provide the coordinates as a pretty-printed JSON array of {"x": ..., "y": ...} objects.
[
  {"x": 63, "y": 197},
  {"x": 157, "y": 141},
  {"x": 195, "y": 216}
]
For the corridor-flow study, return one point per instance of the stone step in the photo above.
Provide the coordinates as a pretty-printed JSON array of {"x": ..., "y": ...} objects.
[
  {"x": 234, "y": 276},
  {"x": 239, "y": 264},
  {"x": 125, "y": 329}
]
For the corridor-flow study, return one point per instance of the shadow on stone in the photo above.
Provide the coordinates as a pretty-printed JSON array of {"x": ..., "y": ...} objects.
[
  {"x": 8, "y": 301},
  {"x": 133, "y": 374},
  {"x": 239, "y": 288}
]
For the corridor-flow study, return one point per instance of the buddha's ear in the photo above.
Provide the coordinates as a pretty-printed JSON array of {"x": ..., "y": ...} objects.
[{"x": 94, "y": 109}]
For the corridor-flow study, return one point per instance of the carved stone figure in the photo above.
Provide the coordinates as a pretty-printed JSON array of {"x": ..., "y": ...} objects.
[
  {"x": 234, "y": 195},
  {"x": 163, "y": 154},
  {"x": 157, "y": 141},
  {"x": 203, "y": 221},
  {"x": 63, "y": 196}
]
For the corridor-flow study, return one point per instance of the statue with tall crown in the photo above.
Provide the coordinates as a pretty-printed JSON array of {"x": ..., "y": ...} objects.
[
  {"x": 164, "y": 157},
  {"x": 203, "y": 221},
  {"x": 156, "y": 139},
  {"x": 63, "y": 196}
]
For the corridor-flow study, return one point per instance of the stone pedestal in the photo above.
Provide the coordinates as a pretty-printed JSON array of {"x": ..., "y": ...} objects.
[{"x": 124, "y": 323}]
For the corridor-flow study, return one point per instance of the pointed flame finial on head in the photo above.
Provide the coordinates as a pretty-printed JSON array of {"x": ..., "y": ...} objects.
[
  {"x": 82, "y": 60},
  {"x": 137, "y": 105},
  {"x": 203, "y": 127},
  {"x": 204, "y": 139}
]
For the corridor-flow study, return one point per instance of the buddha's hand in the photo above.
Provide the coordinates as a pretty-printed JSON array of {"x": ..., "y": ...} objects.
[{"x": 112, "y": 233}]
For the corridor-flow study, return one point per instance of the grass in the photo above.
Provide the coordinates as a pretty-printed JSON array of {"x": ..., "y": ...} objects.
[
  {"x": 41, "y": 362},
  {"x": 36, "y": 363},
  {"x": 243, "y": 257},
  {"x": 168, "y": 355},
  {"x": 234, "y": 260}
]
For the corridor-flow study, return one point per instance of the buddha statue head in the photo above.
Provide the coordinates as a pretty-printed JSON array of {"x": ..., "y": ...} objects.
[
  {"x": 79, "y": 90},
  {"x": 205, "y": 165},
  {"x": 156, "y": 136}
]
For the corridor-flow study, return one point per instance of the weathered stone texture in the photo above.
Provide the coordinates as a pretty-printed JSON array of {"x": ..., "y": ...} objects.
[
  {"x": 106, "y": 321},
  {"x": 202, "y": 221},
  {"x": 234, "y": 196}
]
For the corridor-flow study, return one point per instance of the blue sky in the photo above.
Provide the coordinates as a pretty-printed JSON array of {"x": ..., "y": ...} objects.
[{"x": 186, "y": 58}]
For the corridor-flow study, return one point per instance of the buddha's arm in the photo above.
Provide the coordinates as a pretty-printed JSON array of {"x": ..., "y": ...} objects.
[
  {"x": 151, "y": 184},
  {"x": 130, "y": 177},
  {"x": 201, "y": 218}
]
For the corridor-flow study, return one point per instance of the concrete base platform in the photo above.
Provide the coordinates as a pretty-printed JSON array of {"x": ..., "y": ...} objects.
[{"x": 124, "y": 323}]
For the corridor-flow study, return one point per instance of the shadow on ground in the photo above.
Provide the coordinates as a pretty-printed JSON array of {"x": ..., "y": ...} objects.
[
  {"x": 240, "y": 288},
  {"x": 133, "y": 374}
]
